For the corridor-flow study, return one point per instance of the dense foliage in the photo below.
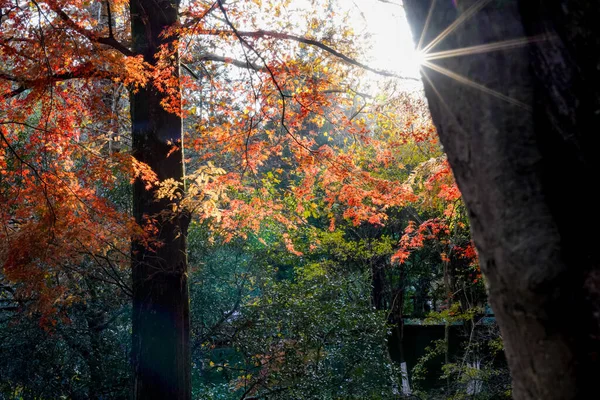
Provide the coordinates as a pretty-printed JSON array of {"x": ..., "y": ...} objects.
[{"x": 324, "y": 220}]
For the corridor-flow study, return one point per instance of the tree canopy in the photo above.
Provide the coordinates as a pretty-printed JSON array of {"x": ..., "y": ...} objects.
[{"x": 206, "y": 200}]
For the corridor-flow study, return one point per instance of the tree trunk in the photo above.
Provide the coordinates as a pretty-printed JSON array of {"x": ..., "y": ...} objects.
[
  {"x": 161, "y": 352},
  {"x": 377, "y": 285},
  {"x": 523, "y": 157}
]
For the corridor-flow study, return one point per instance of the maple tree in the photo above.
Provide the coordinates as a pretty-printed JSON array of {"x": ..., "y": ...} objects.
[
  {"x": 432, "y": 247},
  {"x": 67, "y": 69},
  {"x": 265, "y": 100}
]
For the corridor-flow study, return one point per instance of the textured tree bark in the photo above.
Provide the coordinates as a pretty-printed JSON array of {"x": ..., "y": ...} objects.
[
  {"x": 161, "y": 352},
  {"x": 524, "y": 161}
]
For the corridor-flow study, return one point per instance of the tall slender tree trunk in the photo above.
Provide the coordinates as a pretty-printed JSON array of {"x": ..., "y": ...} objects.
[
  {"x": 523, "y": 150},
  {"x": 161, "y": 352}
]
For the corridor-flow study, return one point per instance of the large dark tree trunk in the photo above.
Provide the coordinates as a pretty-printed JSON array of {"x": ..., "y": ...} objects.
[
  {"x": 161, "y": 353},
  {"x": 524, "y": 161}
]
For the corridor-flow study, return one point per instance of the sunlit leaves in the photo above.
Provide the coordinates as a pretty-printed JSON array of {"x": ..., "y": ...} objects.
[{"x": 276, "y": 129}]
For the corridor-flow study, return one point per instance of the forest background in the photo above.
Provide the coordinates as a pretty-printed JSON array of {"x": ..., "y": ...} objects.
[{"x": 311, "y": 212}]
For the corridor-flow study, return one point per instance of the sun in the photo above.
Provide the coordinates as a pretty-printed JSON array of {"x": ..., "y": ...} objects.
[
  {"x": 391, "y": 43},
  {"x": 418, "y": 58}
]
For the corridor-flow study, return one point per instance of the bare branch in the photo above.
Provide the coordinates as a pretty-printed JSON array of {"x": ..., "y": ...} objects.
[
  {"x": 110, "y": 22},
  {"x": 90, "y": 35},
  {"x": 13, "y": 93},
  {"x": 226, "y": 60},
  {"x": 86, "y": 70},
  {"x": 189, "y": 70},
  {"x": 238, "y": 63},
  {"x": 271, "y": 74},
  {"x": 310, "y": 42},
  {"x": 390, "y": 2},
  {"x": 348, "y": 90}
]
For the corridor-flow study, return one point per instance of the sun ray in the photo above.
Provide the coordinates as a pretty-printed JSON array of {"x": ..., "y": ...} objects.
[
  {"x": 446, "y": 106},
  {"x": 459, "y": 21},
  {"x": 485, "y": 48},
  {"x": 468, "y": 82},
  {"x": 429, "y": 14}
]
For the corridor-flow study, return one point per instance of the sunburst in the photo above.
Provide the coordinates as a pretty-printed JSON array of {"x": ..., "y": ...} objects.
[{"x": 425, "y": 56}]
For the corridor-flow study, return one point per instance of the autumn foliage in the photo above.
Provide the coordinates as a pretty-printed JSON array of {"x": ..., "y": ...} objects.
[{"x": 274, "y": 129}]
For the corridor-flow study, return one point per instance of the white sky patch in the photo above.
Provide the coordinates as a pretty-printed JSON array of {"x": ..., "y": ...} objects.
[
  {"x": 392, "y": 43},
  {"x": 380, "y": 23},
  {"x": 384, "y": 22}
]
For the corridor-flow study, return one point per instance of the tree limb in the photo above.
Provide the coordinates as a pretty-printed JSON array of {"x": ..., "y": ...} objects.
[
  {"x": 311, "y": 42},
  {"x": 90, "y": 35},
  {"x": 86, "y": 70},
  {"x": 270, "y": 72}
]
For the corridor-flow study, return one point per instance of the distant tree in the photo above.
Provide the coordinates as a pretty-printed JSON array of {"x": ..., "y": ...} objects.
[
  {"x": 66, "y": 68},
  {"x": 82, "y": 355}
]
